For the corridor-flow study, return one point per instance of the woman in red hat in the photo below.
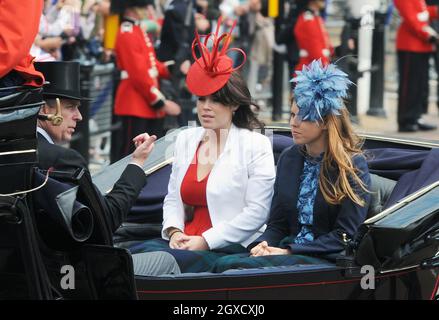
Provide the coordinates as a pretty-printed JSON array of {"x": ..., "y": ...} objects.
[{"x": 221, "y": 184}]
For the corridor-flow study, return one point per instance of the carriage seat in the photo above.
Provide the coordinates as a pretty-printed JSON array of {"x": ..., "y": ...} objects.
[
  {"x": 15, "y": 98},
  {"x": 280, "y": 143},
  {"x": 381, "y": 188},
  {"x": 144, "y": 221}
]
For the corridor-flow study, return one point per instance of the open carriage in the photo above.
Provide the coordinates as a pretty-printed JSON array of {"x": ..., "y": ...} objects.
[
  {"x": 62, "y": 224},
  {"x": 399, "y": 245}
]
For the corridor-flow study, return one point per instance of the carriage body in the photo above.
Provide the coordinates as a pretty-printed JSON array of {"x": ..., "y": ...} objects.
[
  {"x": 412, "y": 274},
  {"x": 399, "y": 246}
]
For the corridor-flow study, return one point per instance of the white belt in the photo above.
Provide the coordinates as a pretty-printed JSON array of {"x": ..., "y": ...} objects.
[
  {"x": 124, "y": 75},
  {"x": 153, "y": 73},
  {"x": 303, "y": 53},
  {"x": 423, "y": 16}
]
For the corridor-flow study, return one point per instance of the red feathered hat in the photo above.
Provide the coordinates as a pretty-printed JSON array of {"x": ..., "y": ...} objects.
[{"x": 212, "y": 70}]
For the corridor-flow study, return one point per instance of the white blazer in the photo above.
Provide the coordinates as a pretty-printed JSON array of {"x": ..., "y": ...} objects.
[{"x": 239, "y": 188}]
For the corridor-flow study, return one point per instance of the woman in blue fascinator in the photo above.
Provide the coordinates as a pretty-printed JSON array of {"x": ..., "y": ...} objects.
[{"x": 321, "y": 190}]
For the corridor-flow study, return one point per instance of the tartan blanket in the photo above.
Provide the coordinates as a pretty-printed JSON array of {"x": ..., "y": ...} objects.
[
  {"x": 244, "y": 261},
  {"x": 231, "y": 257},
  {"x": 188, "y": 261}
]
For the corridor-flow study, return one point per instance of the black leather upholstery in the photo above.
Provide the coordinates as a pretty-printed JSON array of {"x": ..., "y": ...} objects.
[{"x": 381, "y": 189}]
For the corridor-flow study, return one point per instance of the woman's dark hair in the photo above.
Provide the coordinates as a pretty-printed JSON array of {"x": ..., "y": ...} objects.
[
  {"x": 301, "y": 5},
  {"x": 236, "y": 93}
]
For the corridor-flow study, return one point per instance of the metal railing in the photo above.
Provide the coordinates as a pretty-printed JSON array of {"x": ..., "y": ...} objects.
[{"x": 93, "y": 137}]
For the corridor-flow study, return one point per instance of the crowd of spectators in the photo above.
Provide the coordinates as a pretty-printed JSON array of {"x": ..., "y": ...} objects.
[{"x": 75, "y": 29}]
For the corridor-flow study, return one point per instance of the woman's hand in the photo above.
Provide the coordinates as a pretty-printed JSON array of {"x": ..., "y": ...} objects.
[
  {"x": 263, "y": 249},
  {"x": 195, "y": 243},
  {"x": 182, "y": 241},
  {"x": 177, "y": 240},
  {"x": 273, "y": 251},
  {"x": 259, "y": 250}
]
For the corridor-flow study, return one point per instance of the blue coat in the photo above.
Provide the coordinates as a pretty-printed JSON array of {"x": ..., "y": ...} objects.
[{"x": 330, "y": 221}]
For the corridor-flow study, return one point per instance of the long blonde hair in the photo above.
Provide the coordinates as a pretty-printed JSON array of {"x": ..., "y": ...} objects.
[{"x": 343, "y": 144}]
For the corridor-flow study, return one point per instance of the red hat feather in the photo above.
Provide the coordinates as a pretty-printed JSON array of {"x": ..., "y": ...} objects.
[{"x": 210, "y": 72}]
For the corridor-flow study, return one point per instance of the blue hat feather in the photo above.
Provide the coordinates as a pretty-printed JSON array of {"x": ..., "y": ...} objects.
[{"x": 319, "y": 90}]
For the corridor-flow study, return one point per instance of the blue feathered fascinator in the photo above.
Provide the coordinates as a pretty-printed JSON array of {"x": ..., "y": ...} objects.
[{"x": 319, "y": 90}]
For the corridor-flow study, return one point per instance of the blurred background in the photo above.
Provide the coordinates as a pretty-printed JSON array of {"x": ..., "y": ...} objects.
[{"x": 362, "y": 41}]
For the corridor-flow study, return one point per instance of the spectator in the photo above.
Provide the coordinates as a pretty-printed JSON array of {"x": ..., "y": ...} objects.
[
  {"x": 18, "y": 24},
  {"x": 59, "y": 27},
  {"x": 175, "y": 45},
  {"x": 261, "y": 54}
]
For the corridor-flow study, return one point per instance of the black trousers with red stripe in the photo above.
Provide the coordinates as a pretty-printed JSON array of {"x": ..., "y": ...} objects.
[
  {"x": 413, "y": 86},
  {"x": 133, "y": 126}
]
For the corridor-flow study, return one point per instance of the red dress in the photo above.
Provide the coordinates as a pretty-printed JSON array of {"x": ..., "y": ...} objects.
[{"x": 193, "y": 193}]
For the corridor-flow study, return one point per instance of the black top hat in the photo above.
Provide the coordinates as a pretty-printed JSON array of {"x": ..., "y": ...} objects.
[
  {"x": 119, "y": 6},
  {"x": 138, "y": 3},
  {"x": 63, "y": 78}
]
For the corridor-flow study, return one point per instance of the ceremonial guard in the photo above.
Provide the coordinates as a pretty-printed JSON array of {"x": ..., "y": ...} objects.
[
  {"x": 311, "y": 35},
  {"x": 415, "y": 42},
  {"x": 139, "y": 100}
]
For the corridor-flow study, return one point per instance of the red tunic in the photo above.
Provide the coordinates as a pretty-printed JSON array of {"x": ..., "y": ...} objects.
[
  {"x": 19, "y": 21},
  {"x": 138, "y": 90},
  {"x": 193, "y": 193},
  {"x": 414, "y": 31},
  {"x": 312, "y": 39}
]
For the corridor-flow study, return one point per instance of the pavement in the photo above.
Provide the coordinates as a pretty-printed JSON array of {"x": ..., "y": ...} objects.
[{"x": 388, "y": 126}]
